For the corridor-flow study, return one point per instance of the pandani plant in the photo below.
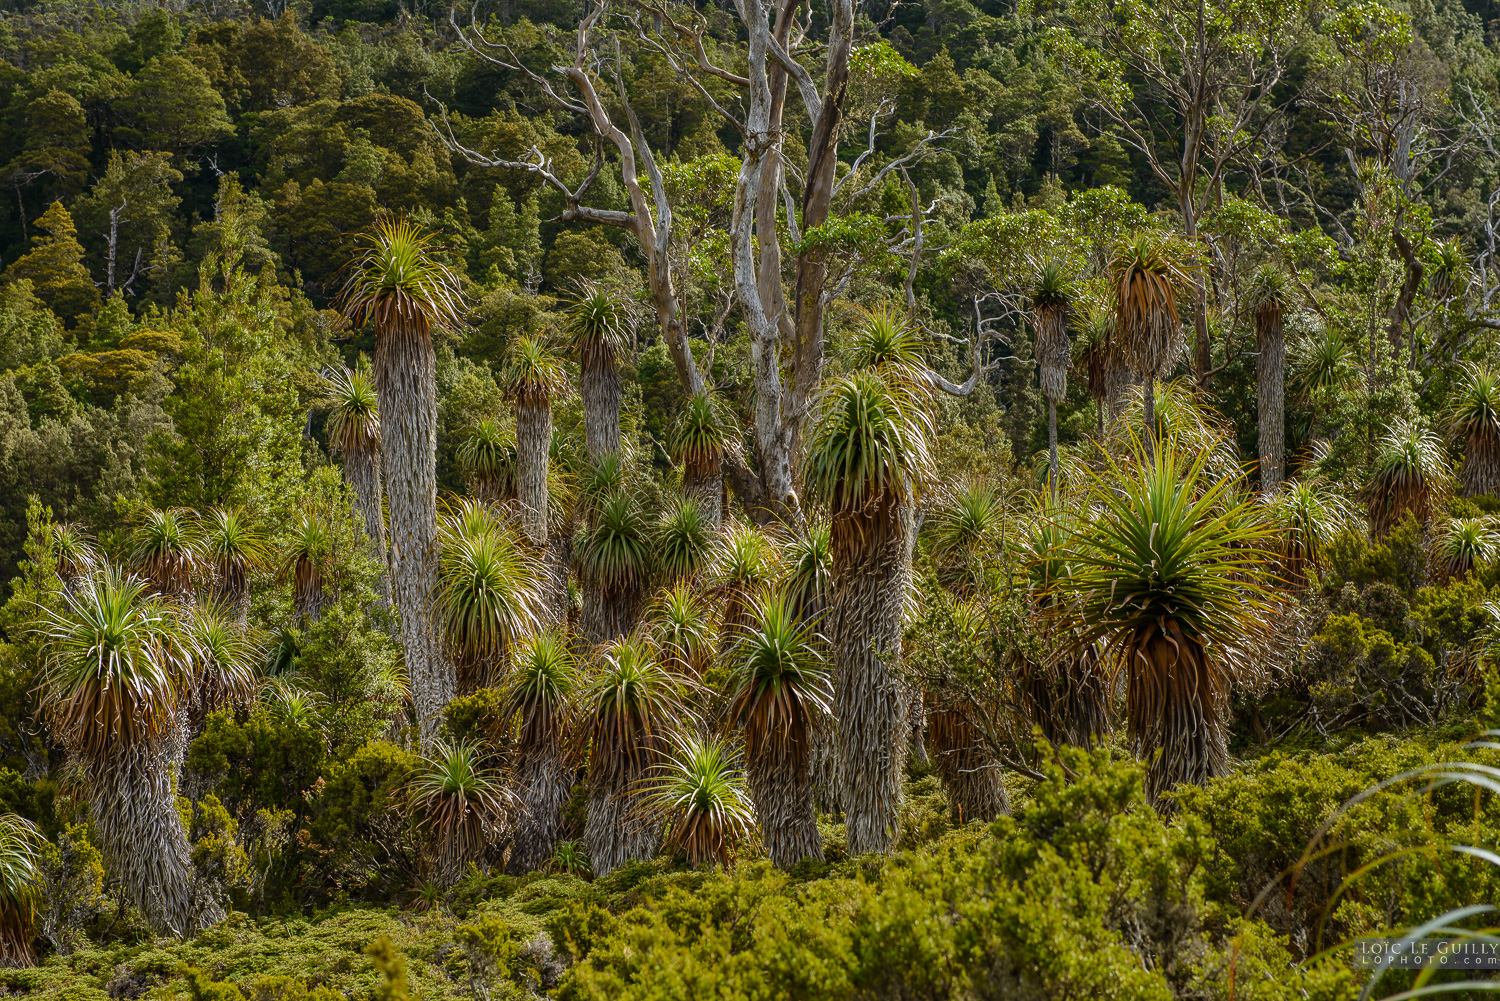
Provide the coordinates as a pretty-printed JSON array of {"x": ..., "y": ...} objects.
[
  {"x": 164, "y": 549},
  {"x": 698, "y": 792},
  {"x": 868, "y": 462},
  {"x": 539, "y": 691},
  {"x": 1147, "y": 271},
  {"x": 703, "y": 433},
  {"x": 745, "y": 561},
  {"x": 633, "y": 707},
  {"x": 117, "y": 675},
  {"x": 684, "y": 538},
  {"x": 1465, "y": 544},
  {"x": 1051, "y": 302},
  {"x": 779, "y": 694},
  {"x": 1171, "y": 569},
  {"x": 1473, "y": 417},
  {"x": 1308, "y": 516},
  {"x": 398, "y": 285},
  {"x": 460, "y": 803},
  {"x": 615, "y": 557},
  {"x": 232, "y": 551},
  {"x": 1266, "y": 297},
  {"x": 354, "y": 435},
  {"x": 683, "y": 625},
  {"x": 1411, "y": 476},
  {"x": 308, "y": 563},
  {"x": 598, "y": 324},
  {"x": 487, "y": 457},
  {"x": 533, "y": 379},
  {"x": 21, "y": 885},
  {"x": 971, "y": 775},
  {"x": 489, "y": 597}
]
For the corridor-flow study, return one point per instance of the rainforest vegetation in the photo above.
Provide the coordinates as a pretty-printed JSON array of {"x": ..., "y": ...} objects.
[{"x": 633, "y": 499}]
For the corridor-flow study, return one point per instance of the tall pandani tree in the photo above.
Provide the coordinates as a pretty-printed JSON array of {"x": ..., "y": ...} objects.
[
  {"x": 1146, "y": 272},
  {"x": 1411, "y": 476},
  {"x": 1051, "y": 302},
  {"x": 20, "y": 889},
  {"x": 489, "y": 595},
  {"x": 354, "y": 435},
  {"x": 1172, "y": 570},
  {"x": 233, "y": 550},
  {"x": 1266, "y": 296},
  {"x": 1099, "y": 360},
  {"x": 703, "y": 433},
  {"x": 970, "y": 773},
  {"x": 487, "y": 457},
  {"x": 1465, "y": 544},
  {"x": 164, "y": 548},
  {"x": 869, "y": 460},
  {"x": 225, "y": 663},
  {"x": 532, "y": 379},
  {"x": 634, "y": 707},
  {"x": 780, "y": 692},
  {"x": 745, "y": 562},
  {"x": 615, "y": 557},
  {"x": 77, "y": 553},
  {"x": 598, "y": 323},
  {"x": 308, "y": 563},
  {"x": 699, "y": 793},
  {"x": 539, "y": 691},
  {"x": 807, "y": 572},
  {"x": 398, "y": 286},
  {"x": 1473, "y": 417},
  {"x": 118, "y": 673},
  {"x": 965, "y": 531},
  {"x": 461, "y": 804}
]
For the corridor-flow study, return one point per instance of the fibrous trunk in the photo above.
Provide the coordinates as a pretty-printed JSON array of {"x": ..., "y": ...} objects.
[
  {"x": 704, "y": 482},
  {"x": 609, "y": 610},
  {"x": 1068, "y": 699},
  {"x": 1270, "y": 375},
  {"x": 824, "y": 771},
  {"x": 542, "y": 782},
  {"x": 555, "y": 560},
  {"x": 1481, "y": 469},
  {"x": 362, "y": 470},
  {"x": 408, "y": 443},
  {"x": 969, "y": 772},
  {"x": 1175, "y": 699},
  {"x": 871, "y": 564},
  {"x": 533, "y": 442},
  {"x": 599, "y": 388},
  {"x": 618, "y": 829},
  {"x": 783, "y": 795},
  {"x": 134, "y": 809}
]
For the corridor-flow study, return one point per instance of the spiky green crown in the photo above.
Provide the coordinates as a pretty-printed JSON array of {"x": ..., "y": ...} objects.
[
  {"x": 871, "y": 442},
  {"x": 397, "y": 283},
  {"x": 598, "y": 322},
  {"x": 887, "y": 341},
  {"x": 684, "y": 538},
  {"x": 704, "y": 430},
  {"x": 354, "y": 421},
  {"x": 616, "y": 549},
  {"x": 530, "y": 373}
]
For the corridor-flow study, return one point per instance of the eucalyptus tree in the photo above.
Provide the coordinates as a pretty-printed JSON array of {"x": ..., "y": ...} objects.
[
  {"x": 1473, "y": 416},
  {"x": 633, "y": 707},
  {"x": 118, "y": 674},
  {"x": 779, "y": 693},
  {"x": 1051, "y": 302},
  {"x": 354, "y": 435},
  {"x": 1266, "y": 296},
  {"x": 398, "y": 285},
  {"x": 869, "y": 460},
  {"x": 1172, "y": 570},
  {"x": 1411, "y": 475},
  {"x": 539, "y": 690}
]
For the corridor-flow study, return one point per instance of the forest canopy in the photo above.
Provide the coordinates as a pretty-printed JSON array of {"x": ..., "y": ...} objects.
[{"x": 667, "y": 500}]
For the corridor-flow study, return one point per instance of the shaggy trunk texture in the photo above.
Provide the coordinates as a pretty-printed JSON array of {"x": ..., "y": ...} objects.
[
  {"x": 362, "y": 470},
  {"x": 542, "y": 781},
  {"x": 871, "y": 571},
  {"x": 783, "y": 796},
  {"x": 1117, "y": 378},
  {"x": 1148, "y": 404},
  {"x": 609, "y": 610},
  {"x": 1481, "y": 468},
  {"x": 704, "y": 482},
  {"x": 618, "y": 830},
  {"x": 555, "y": 561},
  {"x": 1053, "y": 355},
  {"x": 1052, "y": 445},
  {"x": 969, "y": 773},
  {"x": 134, "y": 809},
  {"x": 1069, "y": 700},
  {"x": 599, "y": 388},
  {"x": 406, "y": 383},
  {"x": 823, "y": 771},
  {"x": 1270, "y": 379},
  {"x": 533, "y": 442},
  {"x": 1174, "y": 701}
]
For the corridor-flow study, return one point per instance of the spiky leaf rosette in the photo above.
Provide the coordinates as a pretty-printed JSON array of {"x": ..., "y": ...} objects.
[
  {"x": 540, "y": 684},
  {"x": 683, "y": 538},
  {"x": 966, "y": 527},
  {"x": 487, "y": 456},
  {"x": 634, "y": 704},
  {"x": 354, "y": 416},
  {"x": 745, "y": 562},
  {"x": 397, "y": 282},
  {"x": 1322, "y": 364},
  {"x": 1171, "y": 568},
  {"x": 1147, "y": 271},
  {"x": 808, "y": 579},
  {"x": 530, "y": 372},
  {"x": 700, "y": 791},
  {"x": 703, "y": 432},
  {"x": 116, "y": 666},
  {"x": 683, "y": 624},
  {"x": 1466, "y": 543},
  {"x": 459, "y": 802},
  {"x": 309, "y": 563},
  {"x": 1473, "y": 416},
  {"x": 603, "y": 478},
  {"x": 598, "y": 322},
  {"x": 890, "y": 343},
  {"x": 779, "y": 680},
  {"x": 1103, "y": 371},
  {"x": 77, "y": 555},
  {"x": 868, "y": 454},
  {"x": 294, "y": 706},
  {"x": 165, "y": 547},
  {"x": 1411, "y": 473},
  {"x": 470, "y": 519},
  {"x": 233, "y": 549},
  {"x": 20, "y": 889},
  {"x": 1449, "y": 273},
  {"x": 616, "y": 549},
  {"x": 489, "y": 596},
  {"x": 1308, "y": 515},
  {"x": 225, "y": 657},
  {"x": 1180, "y": 413},
  {"x": 1051, "y": 299}
]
